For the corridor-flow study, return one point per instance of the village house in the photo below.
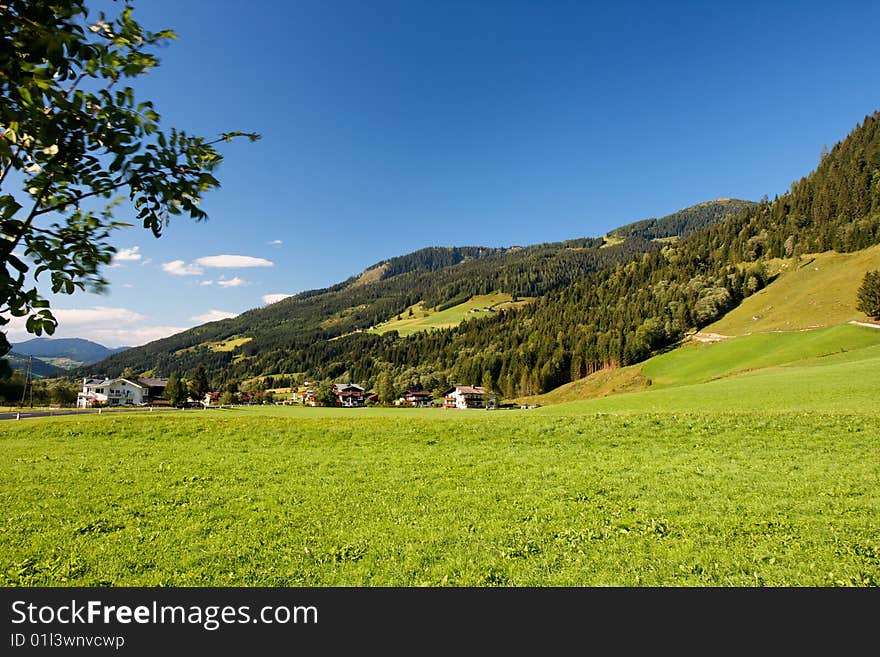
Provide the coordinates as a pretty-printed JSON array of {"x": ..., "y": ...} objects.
[
  {"x": 155, "y": 387},
  {"x": 120, "y": 392},
  {"x": 467, "y": 397},
  {"x": 417, "y": 398},
  {"x": 349, "y": 394}
]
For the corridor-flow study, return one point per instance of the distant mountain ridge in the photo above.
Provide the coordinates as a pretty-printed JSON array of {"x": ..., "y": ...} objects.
[
  {"x": 684, "y": 222},
  {"x": 65, "y": 353}
]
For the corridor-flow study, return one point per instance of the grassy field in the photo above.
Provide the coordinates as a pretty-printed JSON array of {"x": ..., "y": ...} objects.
[
  {"x": 700, "y": 362},
  {"x": 576, "y": 494},
  {"x": 820, "y": 291},
  {"x": 752, "y": 461},
  {"x": 424, "y": 319}
]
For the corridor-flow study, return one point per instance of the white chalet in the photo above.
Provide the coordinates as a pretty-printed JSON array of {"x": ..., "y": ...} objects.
[
  {"x": 349, "y": 394},
  {"x": 112, "y": 392},
  {"x": 465, "y": 397}
]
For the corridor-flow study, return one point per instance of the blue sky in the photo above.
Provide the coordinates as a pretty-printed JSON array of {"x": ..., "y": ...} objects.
[{"x": 391, "y": 126}]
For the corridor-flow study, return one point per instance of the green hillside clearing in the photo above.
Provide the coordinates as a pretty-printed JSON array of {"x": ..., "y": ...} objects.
[
  {"x": 424, "y": 319},
  {"x": 698, "y": 363},
  {"x": 220, "y": 345},
  {"x": 823, "y": 370},
  {"x": 820, "y": 291}
]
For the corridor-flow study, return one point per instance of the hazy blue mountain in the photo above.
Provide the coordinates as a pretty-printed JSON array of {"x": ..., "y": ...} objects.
[{"x": 65, "y": 353}]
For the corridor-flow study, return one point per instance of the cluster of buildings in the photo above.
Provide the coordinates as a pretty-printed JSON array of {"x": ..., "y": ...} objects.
[
  {"x": 123, "y": 391},
  {"x": 351, "y": 395}
]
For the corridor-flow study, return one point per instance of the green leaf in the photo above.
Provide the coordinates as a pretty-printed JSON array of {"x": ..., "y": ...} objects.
[{"x": 15, "y": 262}]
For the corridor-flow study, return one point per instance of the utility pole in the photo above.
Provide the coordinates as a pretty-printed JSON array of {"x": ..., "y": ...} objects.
[{"x": 27, "y": 379}]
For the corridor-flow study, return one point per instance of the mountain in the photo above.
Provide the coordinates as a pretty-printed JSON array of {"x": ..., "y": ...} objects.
[
  {"x": 65, "y": 353},
  {"x": 593, "y": 304},
  {"x": 274, "y": 339},
  {"x": 40, "y": 368},
  {"x": 684, "y": 222}
]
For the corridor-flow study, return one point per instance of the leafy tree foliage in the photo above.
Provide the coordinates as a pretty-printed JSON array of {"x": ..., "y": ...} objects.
[
  {"x": 385, "y": 388},
  {"x": 175, "y": 390},
  {"x": 324, "y": 394},
  {"x": 11, "y": 386},
  {"x": 869, "y": 295},
  {"x": 72, "y": 133},
  {"x": 199, "y": 385}
]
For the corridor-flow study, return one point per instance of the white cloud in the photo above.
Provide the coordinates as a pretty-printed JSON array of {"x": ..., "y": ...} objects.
[
  {"x": 180, "y": 268},
  {"x": 112, "y": 327},
  {"x": 233, "y": 261},
  {"x": 213, "y": 316},
  {"x": 127, "y": 255},
  {"x": 132, "y": 336},
  {"x": 232, "y": 282},
  {"x": 275, "y": 298},
  {"x": 76, "y": 317},
  {"x": 275, "y": 243},
  {"x": 203, "y": 283},
  {"x": 128, "y": 285}
]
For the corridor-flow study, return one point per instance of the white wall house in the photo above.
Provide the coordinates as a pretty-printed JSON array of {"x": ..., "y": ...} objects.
[
  {"x": 111, "y": 392},
  {"x": 349, "y": 394},
  {"x": 464, "y": 397}
]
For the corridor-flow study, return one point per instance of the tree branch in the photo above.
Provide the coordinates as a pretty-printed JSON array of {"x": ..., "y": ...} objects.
[
  {"x": 10, "y": 244},
  {"x": 77, "y": 199},
  {"x": 7, "y": 168}
]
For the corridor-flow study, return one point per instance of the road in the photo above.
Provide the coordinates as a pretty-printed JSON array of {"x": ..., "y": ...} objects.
[{"x": 24, "y": 414}]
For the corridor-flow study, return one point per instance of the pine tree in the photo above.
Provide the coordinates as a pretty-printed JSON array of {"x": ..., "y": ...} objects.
[
  {"x": 174, "y": 391},
  {"x": 199, "y": 385},
  {"x": 869, "y": 295}
]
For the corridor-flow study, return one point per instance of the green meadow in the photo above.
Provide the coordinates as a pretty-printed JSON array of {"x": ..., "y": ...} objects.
[
  {"x": 747, "y": 462},
  {"x": 579, "y": 494}
]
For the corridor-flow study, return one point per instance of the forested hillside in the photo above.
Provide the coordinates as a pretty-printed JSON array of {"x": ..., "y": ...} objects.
[
  {"x": 596, "y": 307},
  {"x": 684, "y": 222},
  {"x": 438, "y": 277}
]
